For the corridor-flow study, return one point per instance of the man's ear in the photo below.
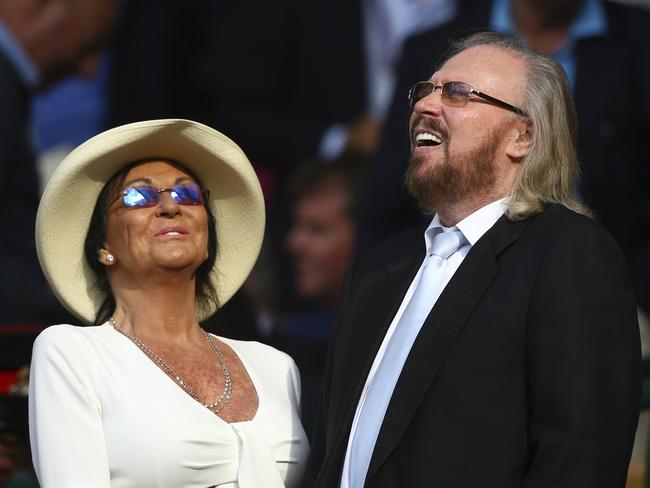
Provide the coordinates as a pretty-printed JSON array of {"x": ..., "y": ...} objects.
[{"x": 521, "y": 142}]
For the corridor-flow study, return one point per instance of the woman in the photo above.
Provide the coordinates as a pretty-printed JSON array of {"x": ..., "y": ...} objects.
[{"x": 146, "y": 398}]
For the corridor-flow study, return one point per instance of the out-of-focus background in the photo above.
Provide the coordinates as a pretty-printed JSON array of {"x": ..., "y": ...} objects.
[{"x": 315, "y": 94}]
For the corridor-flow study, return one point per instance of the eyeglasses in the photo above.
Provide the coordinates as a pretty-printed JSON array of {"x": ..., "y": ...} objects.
[
  {"x": 148, "y": 196},
  {"x": 455, "y": 94}
]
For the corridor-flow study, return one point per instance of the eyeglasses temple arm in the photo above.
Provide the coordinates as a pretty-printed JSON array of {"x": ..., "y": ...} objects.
[
  {"x": 120, "y": 195},
  {"x": 500, "y": 103}
]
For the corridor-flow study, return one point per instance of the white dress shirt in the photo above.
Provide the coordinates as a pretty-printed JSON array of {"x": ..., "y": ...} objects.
[{"x": 472, "y": 227}]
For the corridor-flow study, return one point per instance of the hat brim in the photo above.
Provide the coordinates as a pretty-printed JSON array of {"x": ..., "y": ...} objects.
[{"x": 69, "y": 199}]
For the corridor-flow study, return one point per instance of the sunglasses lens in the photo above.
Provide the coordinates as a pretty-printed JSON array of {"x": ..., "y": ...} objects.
[
  {"x": 140, "y": 196},
  {"x": 456, "y": 93},
  {"x": 418, "y": 91},
  {"x": 148, "y": 196},
  {"x": 187, "y": 194}
]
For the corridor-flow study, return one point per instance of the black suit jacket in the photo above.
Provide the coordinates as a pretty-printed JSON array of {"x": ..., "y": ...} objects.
[
  {"x": 613, "y": 109},
  {"x": 526, "y": 372}
]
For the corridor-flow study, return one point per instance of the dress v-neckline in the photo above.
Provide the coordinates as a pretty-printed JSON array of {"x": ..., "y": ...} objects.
[{"x": 252, "y": 375}]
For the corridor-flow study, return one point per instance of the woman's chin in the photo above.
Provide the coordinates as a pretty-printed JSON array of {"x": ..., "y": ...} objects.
[{"x": 179, "y": 261}]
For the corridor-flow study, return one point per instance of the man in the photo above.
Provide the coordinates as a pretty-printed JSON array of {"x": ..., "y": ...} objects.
[
  {"x": 40, "y": 43},
  {"x": 322, "y": 238},
  {"x": 613, "y": 131},
  {"x": 321, "y": 245},
  {"x": 507, "y": 354}
]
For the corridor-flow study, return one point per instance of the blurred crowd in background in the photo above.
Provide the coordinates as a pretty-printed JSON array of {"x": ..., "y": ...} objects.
[{"x": 315, "y": 94}]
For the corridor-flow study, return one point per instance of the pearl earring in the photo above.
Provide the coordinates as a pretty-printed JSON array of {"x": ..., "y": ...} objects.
[{"x": 110, "y": 259}]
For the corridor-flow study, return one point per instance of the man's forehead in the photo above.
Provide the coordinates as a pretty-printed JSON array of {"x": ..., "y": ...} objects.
[{"x": 483, "y": 66}]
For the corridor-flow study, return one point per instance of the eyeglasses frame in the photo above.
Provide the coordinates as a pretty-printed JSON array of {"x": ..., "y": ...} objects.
[
  {"x": 472, "y": 90},
  {"x": 204, "y": 193}
]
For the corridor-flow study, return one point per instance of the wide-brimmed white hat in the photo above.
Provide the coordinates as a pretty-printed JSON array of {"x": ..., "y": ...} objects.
[{"x": 69, "y": 199}]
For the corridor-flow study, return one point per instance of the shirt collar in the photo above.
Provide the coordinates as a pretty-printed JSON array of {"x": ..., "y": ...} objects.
[
  {"x": 591, "y": 21},
  {"x": 473, "y": 226},
  {"x": 19, "y": 59}
]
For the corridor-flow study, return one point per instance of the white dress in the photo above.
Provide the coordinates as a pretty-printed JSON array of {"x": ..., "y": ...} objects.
[{"x": 102, "y": 414}]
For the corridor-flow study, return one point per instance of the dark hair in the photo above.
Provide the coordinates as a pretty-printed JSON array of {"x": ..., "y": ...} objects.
[
  {"x": 347, "y": 172},
  {"x": 96, "y": 237}
]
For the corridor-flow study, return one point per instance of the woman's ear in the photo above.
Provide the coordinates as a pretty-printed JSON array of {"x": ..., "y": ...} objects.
[{"x": 106, "y": 257}]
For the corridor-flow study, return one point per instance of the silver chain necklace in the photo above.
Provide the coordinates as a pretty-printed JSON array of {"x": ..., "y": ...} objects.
[{"x": 221, "y": 402}]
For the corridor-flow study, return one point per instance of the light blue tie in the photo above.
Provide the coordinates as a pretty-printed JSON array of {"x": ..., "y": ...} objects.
[{"x": 381, "y": 388}]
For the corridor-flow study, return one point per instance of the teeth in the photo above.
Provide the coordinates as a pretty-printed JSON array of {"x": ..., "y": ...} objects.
[
  {"x": 172, "y": 233},
  {"x": 428, "y": 136}
]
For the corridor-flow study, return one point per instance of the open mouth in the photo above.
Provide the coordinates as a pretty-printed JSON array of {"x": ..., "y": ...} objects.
[{"x": 427, "y": 139}]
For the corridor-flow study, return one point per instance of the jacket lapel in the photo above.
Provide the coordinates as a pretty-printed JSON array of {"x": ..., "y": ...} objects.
[
  {"x": 380, "y": 296},
  {"x": 439, "y": 332},
  {"x": 378, "y": 301},
  {"x": 379, "y": 305}
]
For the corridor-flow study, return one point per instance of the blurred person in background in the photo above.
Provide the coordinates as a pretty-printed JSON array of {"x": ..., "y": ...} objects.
[
  {"x": 41, "y": 42},
  {"x": 321, "y": 245},
  {"x": 346, "y": 52},
  {"x": 173, "y": 49},
  {"x": 599, "y": 44},
  {"x": 322, "y": 238}
]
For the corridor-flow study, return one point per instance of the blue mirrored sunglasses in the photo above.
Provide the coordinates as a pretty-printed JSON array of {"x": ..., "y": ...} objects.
[{"x": 148, "y": 196}]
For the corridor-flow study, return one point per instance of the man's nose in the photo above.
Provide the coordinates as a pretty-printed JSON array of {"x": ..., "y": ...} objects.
[
  {"x": 429, "y": 107},
  {"x": 431, "y": 103}
]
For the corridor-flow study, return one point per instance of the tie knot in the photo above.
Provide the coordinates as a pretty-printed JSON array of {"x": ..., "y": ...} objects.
[{"x": 447, "y": 243}]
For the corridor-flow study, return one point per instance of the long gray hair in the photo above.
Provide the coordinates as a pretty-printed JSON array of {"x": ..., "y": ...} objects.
[{"x": 549, "y": 172}]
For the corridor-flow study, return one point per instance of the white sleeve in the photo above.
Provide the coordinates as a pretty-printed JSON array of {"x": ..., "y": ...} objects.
[{"x": 65, "y": 422}]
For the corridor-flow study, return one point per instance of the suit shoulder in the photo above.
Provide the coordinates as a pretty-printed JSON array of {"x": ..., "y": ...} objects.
[
  {"x": 559, "y": 218},
  {"x": 561, "y": 229}
]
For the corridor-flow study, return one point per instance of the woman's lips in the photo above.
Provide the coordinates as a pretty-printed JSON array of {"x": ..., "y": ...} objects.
[{"x": 172, "y": 232}]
